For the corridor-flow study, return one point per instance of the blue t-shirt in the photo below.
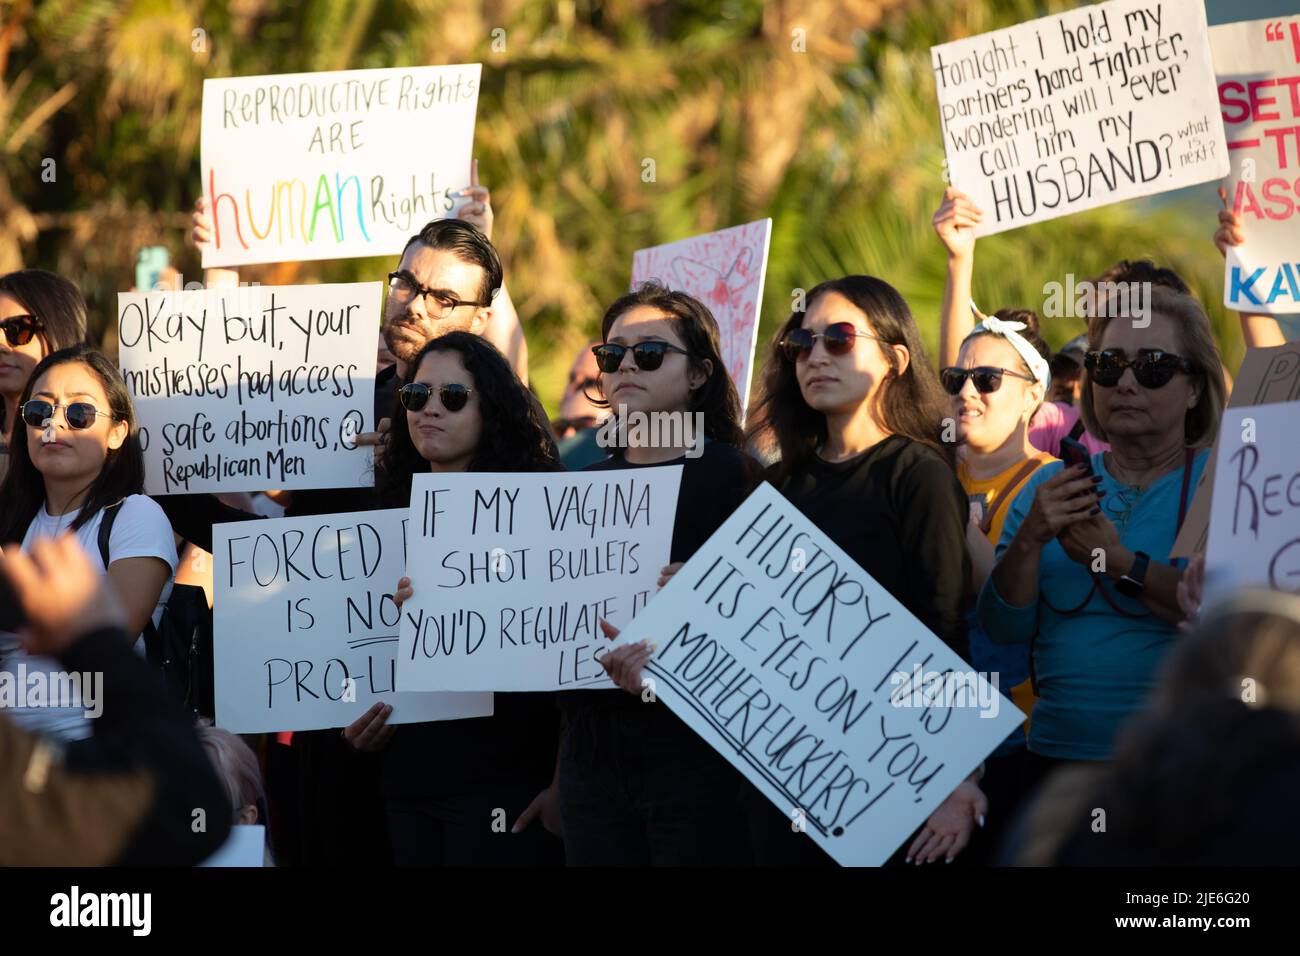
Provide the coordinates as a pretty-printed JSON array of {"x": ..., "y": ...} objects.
[{"x": 1095, "y": 666}]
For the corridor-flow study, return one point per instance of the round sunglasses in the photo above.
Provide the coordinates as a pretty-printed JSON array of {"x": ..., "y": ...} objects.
[
  {"x": 838, "y": 339},
  {"x": 416, "y": 395},
  {"x": 1153, "y": 368},
  {"x": 78, "y": 415},
  {"x": 19, "y": 329},
  {"x": 986, "y": 378},
  {"x": 648, "y": 356}
]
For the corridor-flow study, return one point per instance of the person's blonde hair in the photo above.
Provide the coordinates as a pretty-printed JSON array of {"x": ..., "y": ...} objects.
[
  {"x": 236, "y": 765},
  {"x": 1196, "y": 344}
]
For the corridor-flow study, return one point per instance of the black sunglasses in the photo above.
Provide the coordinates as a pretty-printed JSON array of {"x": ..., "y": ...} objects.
[
  {"x": 416, "y": 395},
  {"x": 1153, "y": 368},
  {"x": 986, "y": 378},
  {"x": 19, "y": 329},
  {"x": 647, "y": 355},
  {"x": 36, "y": 412},
  {"x": 838, "y": 339}
]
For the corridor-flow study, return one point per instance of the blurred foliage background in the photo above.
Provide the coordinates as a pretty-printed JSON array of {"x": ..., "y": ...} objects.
[{"x": 839, "y": 143}]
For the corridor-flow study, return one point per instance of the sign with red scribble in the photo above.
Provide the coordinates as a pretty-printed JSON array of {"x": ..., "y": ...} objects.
[{"x": 725, "y": 271}]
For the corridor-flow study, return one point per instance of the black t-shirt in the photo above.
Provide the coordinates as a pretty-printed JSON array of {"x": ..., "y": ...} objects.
[
  {"x": 899, "y": 511},
  {"x": 713, "y": 486}
]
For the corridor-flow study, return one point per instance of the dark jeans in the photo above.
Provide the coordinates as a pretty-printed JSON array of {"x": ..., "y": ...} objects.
[
  {"x": 467, "y": 830},
  {"x": 639, "y": 788}
]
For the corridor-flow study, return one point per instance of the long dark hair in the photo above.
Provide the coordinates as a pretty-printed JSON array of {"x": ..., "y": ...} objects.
[
  {"x": 515, "y": 435},
  {"x": 56, "y": 304},
  {"x": 717, "y": 399},
  {"x": 23, "y": 490},
  {"x": 911, "y": 404}
]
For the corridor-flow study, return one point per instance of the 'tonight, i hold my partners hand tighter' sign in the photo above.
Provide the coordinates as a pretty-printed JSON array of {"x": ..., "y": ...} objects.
[
  {"x": 816, "y": 683},
  {"x": 333, "y": 165},
  {"x": 1102, "y": 104}
]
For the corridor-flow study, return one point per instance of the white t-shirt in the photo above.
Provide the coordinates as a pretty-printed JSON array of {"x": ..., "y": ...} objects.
[{"x": 141, "y": 530}]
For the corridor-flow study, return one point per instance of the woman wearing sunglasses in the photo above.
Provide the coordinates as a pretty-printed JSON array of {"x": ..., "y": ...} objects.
[
  {"x": 997, "y": 385},
  {"x": 40, "y": 313},
  {"x": 1083, "y": 572},
  {"x": 856, "y": 414},
  {"x": 637, "y": 786},
  {"x": 76, "y": 454},
  {"x": 954, "y": 223},
  {"x": 461, "y": 408}
]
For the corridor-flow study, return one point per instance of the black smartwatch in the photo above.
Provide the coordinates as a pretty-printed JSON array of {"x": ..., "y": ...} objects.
[{"x": 1132, "y": 583}]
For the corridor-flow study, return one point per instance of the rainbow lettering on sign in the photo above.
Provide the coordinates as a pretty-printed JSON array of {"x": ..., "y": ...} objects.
[{"x": 345, "y": 201}]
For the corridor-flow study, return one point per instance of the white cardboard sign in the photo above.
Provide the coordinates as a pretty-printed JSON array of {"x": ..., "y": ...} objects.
[
  {"x": 305, "y": 628},
  {"x": 1097, "y": 105},
  {"x": 512, "y": 573},
  {"x": 333, "y": 165},
  {"x": 816, "y": 683},
  {"x": 250, "y": 388}
]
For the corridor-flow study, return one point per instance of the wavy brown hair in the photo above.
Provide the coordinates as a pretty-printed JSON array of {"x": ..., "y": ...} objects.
[{"x": 910, "y": 403}]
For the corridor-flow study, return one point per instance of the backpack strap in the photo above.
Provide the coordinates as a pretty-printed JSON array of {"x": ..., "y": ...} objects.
[
  {"x": 152, "y": 650},
  {"x": 1012, "y": 486},
  {"x": 106, "y": 530}
]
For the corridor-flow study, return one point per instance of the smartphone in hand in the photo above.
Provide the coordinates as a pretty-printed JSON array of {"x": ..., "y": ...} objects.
[{"x": 1075, "y": 453}]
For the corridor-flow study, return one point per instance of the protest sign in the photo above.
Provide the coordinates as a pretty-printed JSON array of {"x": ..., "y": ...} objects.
[
  {"x": 251, "y": 388},
  {"x": 1255, "y": 518},
  {"x": 820, "y": 687},
  {"x": 512, "y": 573},
  {"x": 1266, "y": 376},
  {"x": 725, "y": 271},
  {"x": 1093, "y": 106},
  {"x": 305, "y": 631},
  {"x": 245, "y": 847},
  {"x": 333, "y": 165},
  {"x": 1258, "y": 67}
]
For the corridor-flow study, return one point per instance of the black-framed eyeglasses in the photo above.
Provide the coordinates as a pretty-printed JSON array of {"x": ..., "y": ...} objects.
[
  {"x": 1153, "y": 368},
  {"x": 987, "y": 378},
  {"x": 19, "y": 329},
  {"x": 838, "y": 339},
  {"x": 403, "y": 286},
  {"x": 648, "y": 356},
  {"x": 36, "y": 412},
  {"x": 416, "y": 395}
]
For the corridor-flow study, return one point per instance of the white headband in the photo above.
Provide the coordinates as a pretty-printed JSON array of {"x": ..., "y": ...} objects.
[{"x": 1011, "y": 332}]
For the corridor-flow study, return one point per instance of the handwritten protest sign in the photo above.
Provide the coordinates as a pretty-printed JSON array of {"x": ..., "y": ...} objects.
[
  {"x": 1255, "y": 518},
  {"x": 1094, "y": 106},
  {"x": 252, "y": 388},
  {"x": 837, "y": 703},
  {"x": 1266, "y": 376},
  {"x": 1258, "y": 67},
  {"x": 512, "y": 572},
  {"x": 725, "y": 271},
  {"x": 305, "y": 629},
  {"x": 333, "y": 165}
]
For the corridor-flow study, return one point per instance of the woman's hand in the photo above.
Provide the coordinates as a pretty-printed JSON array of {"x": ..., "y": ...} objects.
[
  {"x": 1190, "y": 590},
  {"x": 1067, "y": 497},
  {"x": 948, "y": 830},
  {"x": 1230, "y": 232},
  {"x": 666, "y": 572},
  {"x": 478, "y": 211},
  {"x": 954, "y": 223},
  {"x": 62, "y": 595},
  {"x": 371, "y": 731},
  {"x": 403, "y": 593},
  {"x": 545, "y": 807},
  {"x": 623, "y": 664},
  {"x": 1082, "y": 540}
]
